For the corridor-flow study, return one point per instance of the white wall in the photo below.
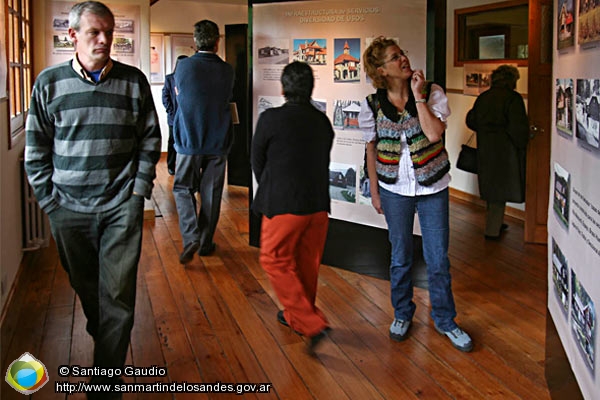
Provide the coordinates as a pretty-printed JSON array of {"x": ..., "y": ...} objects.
[
  {"x": 457, "y": 132},
  {"x": 168, "y": 16}
]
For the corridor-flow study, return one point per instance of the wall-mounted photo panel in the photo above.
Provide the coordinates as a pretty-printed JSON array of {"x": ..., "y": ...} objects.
[
  {"x": 342, "y": 182},
  {"x": 564, "y": 106},
  {"x": 560, "y": 277},
  {"x": 583, "y": 321},
  {"x": 126, "y": 36},
  {"x": 589, "y": 26},
  {"x": 588, "y": 112},
  {"x": 346, "y": 64},
  {"x": 575, "y": 192},
  {"x": 182, "y": 44},
  {"x": 566, "y": 24},
  {"x": 331, "y": 35},
  {"x": 562, "y": 199}
]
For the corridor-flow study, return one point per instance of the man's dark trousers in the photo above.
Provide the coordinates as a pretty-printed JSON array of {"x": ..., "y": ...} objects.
[
  {"x": 204, "y": 174},
  {"x": 100, "y": 253}
]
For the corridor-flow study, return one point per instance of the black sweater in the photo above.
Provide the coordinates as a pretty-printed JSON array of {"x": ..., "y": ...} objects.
[{"x": 290, "y": 159}]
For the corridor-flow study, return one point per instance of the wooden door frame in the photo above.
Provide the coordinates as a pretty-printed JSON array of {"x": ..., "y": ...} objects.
[{"x": 539, "y": 109}]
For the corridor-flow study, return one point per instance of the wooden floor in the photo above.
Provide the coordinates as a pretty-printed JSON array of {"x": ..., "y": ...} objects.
[{"x": 215, "y": 320}]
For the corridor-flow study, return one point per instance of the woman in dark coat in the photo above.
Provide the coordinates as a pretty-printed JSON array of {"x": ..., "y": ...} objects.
[{"x": 502, "y": 127}]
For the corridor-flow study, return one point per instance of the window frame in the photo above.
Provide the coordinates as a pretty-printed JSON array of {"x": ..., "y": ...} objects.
[
  {"x": 483, "y": 30},
  {"x": 18, "y": 34}
]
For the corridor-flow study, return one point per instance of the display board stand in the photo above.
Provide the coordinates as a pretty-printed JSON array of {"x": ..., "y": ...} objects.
[{"x": 358, "y": 248}]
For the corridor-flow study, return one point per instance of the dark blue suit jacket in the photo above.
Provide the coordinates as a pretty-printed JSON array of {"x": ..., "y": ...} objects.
[{"x": 169, "y": 98}]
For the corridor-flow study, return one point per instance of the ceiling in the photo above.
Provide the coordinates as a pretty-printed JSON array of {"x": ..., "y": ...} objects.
[{"x": 236, "y": 2}]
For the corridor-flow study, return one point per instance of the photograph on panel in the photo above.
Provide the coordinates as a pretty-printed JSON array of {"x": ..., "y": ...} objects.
[
  {"x": 346, "y": 64},
  {"x": 588, "y": 112},
  {"x": 364, "y": 187},
  {"x": 564, "y": 106},
  {"x": 560, "y": 277},
  {"x": 583, "y": 321},
  {"x": 266, "y": 102},
  {"x": 319, "y": 104},
  {"x": 124, "y": 25},
  {"x": 273, "y": 51},
  {"x": 566, "y": 24},
  {"x": 342, "y": 182},
  {"x": 562, "y": 199},
  {"x": 345, "y": 114},
  {"x": 310, "y": 51},
  {"x": 589, "y": 28}
]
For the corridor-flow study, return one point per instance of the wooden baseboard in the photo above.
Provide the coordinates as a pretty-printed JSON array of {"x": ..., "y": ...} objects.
[{"x": 471, "y": 198}]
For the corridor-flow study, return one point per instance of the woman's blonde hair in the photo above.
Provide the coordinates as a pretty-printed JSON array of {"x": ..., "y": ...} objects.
[{"x": 373, "y": 58}]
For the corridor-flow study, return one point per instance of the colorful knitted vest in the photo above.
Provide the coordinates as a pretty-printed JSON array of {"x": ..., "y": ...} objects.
[{"x": 430, "y": 160}]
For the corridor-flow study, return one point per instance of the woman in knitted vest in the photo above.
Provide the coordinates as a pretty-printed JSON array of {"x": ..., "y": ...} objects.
[{"x": 403, "y": 124}]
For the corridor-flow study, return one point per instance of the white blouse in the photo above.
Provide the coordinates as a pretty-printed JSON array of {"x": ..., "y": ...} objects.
[{"x": 407, "y": 184}]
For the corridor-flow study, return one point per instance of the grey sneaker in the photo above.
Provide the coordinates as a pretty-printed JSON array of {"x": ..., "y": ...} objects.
[
  {"x": 459, "y": 338},
  {"x": 399, "y": 330}
]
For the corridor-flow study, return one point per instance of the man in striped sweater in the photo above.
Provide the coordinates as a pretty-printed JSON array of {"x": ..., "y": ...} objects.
[{"x": 92, "y": 142}]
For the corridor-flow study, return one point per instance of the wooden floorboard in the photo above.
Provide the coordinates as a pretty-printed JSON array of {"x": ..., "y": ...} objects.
[{"x": 214, "y": 321}]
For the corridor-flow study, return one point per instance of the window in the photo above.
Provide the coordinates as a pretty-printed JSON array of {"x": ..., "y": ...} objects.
[
  {"x": 492, "y": 32},
  {"x": 19, "y": 63}
]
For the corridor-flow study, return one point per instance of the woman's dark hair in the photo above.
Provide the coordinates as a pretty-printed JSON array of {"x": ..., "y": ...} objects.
[
  {"x": 505, "y": 76},
  {"x": 206, "y": 35},
  {"x": 297, "y": 81}
]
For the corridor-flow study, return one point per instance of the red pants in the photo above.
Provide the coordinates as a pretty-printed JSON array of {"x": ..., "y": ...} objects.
[{"x": 291, "y": 247}]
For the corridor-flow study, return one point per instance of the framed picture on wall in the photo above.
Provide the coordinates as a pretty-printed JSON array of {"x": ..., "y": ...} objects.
[
  {"x": 477, "y": 78},
  {"x": 181, "y": 44},
  {"x": 157, "y": 58}
]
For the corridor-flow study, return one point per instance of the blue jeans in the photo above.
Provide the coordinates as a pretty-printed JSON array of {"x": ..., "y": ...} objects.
[
  {"x": 399, "y": 213},
  {"x": 100, "y": 253}
]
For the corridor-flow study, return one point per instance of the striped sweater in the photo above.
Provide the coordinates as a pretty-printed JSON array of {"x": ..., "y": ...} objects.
[{"x": 89, "y": 146}]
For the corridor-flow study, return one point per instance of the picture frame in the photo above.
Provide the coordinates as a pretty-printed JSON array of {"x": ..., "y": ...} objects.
[
  {"x": 477, "y": 77},
  {"x": 181, "y": 44},
  {"x": 157, "y": 58}
]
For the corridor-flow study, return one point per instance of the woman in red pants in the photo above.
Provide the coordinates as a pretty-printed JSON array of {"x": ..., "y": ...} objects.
[{"x": 290, "y": 159}]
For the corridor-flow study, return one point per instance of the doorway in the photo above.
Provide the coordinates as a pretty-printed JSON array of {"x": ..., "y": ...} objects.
[{"x": 236, "y": 54}]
